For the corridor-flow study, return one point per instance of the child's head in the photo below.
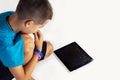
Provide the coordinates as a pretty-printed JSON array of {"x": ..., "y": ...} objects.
[{"x": 34, "y": 13}]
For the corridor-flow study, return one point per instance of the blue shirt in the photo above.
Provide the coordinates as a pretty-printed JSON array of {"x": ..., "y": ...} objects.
[{"x": 11, "y": 43}]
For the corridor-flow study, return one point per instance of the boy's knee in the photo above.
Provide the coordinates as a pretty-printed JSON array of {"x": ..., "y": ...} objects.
[
  {"x": 28, "y": 47},
  {"x": 28, "y": 43},
  {"x": 49, "y": 50}
]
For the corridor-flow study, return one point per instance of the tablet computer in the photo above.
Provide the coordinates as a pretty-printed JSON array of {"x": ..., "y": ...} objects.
[{"x": 73, "y": 56}]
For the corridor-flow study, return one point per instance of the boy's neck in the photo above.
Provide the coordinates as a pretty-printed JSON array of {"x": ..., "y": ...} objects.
[{"x": 13, "y": 23}]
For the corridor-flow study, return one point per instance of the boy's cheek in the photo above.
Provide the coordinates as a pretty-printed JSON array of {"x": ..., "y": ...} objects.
[{"x": 29, "y": 31}]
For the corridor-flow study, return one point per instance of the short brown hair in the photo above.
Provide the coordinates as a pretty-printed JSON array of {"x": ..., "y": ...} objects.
[{"x": 37, "y": 10}]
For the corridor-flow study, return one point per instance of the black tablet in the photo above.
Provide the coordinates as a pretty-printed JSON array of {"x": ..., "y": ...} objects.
[{"x": 73, "y": 56}]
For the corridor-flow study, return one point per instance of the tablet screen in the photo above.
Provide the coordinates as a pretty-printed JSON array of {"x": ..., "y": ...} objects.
[{"x": 73, "y": 56}]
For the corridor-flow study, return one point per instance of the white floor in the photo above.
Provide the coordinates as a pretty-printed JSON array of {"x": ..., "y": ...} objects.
[{"x": 95, "y": 26}]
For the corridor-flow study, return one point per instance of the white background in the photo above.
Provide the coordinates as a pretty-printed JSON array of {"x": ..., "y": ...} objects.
[{"x": 94, "y": 25}]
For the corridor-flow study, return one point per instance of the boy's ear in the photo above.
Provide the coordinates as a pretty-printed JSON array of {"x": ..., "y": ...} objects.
[{"x": 29, "y": 23}]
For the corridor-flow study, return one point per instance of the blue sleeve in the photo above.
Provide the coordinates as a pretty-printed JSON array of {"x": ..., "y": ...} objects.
[{"x": 12, "y": 53}]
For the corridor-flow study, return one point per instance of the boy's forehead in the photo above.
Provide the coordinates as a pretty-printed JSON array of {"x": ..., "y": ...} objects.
[{"x": 46, "y": 21}]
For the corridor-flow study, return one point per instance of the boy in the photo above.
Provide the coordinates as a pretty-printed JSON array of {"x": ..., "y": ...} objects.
[{"x": 16, "y": 54}]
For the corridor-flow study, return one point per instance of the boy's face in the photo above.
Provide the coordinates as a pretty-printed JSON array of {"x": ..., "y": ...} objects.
[{"x": 31, "y": 27}]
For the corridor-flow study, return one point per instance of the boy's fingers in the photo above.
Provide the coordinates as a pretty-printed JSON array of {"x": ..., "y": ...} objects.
[
  {"x": 35, "y": 35},
  {"x": 39, "y": 34}
]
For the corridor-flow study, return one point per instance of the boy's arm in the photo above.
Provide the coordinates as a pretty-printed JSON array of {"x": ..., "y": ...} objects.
[{"x": 24, "y": 73}]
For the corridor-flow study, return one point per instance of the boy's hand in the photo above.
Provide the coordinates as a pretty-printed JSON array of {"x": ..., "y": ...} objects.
[{"x": 38, "y": 40}]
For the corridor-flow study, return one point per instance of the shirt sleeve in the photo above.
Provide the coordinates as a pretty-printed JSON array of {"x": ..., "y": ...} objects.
[{"x": 12, "y": 53}]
